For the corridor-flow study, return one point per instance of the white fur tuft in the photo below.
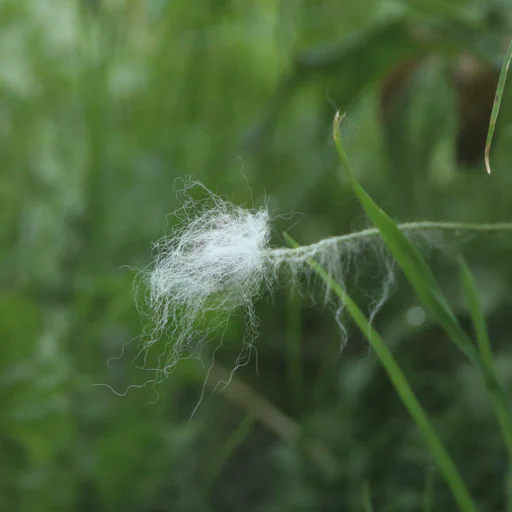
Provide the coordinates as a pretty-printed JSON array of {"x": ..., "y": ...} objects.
[{"x": 211, "y": 265}]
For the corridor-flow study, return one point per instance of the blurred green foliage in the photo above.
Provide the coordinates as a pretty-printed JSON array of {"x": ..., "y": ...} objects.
[{"x": 105, "y": 105}]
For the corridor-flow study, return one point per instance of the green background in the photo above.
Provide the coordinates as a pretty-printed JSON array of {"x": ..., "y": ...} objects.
[{"x": 105, "y": 107}]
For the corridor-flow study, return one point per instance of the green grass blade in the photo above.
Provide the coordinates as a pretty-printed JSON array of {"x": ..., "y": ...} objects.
[
  {"x": 366, "y": 497},
  {"x": 406, "y": 394},
  {"x": 496, "y": 105},
  {"x": 294, "y": 349},
  {"x": 419, "y": 275},
  {"x": 477, "y": 316},
  {"x": 409, "y": 258},
  {"x": 428, "y": 491},
  {"x": 484, "y": 345}
]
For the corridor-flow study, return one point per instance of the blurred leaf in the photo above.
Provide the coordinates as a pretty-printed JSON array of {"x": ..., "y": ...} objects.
[
  {"x": 366, "y": 497},
  {"x": 484, "y": 345}
]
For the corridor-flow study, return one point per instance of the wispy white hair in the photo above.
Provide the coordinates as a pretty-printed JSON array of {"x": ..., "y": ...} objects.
[{"x": 211, "y": 265}]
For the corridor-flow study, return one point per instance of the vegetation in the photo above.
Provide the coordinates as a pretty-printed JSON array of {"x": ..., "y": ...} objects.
[{"x": 106, "y": 106}]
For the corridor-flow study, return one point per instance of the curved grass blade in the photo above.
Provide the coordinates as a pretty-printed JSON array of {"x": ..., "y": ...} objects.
[
  {"x": 484, "y": 345},
  {"x": 496, "y": 105},
  {"x": 406, "y": 394}
]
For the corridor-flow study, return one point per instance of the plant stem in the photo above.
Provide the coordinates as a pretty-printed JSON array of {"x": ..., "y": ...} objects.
[{"x": 310, "y": 250}]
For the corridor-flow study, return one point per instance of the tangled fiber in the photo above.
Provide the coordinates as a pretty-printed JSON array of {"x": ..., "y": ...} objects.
[
  {"x": 211, "y": 265},
  {"x": 217, "y": 260}
]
